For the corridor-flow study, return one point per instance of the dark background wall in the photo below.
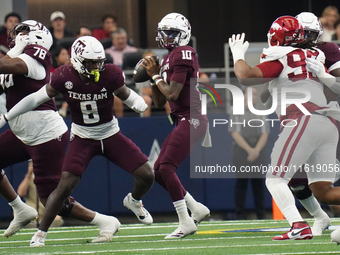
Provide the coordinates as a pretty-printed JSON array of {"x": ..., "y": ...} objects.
[{"x": 213, "y": 21}]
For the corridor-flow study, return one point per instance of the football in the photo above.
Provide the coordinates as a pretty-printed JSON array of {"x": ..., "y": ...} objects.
[{"x": 139, "y": 73}]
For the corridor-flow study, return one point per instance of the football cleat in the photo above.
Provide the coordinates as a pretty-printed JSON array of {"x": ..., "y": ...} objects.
[
  {"x": 321, "y": 224},
  {"x": 106, "y": 236},
  {"x": 21, "y": 219},
  {"x": 183, "y": 230},
  {"x": 138, "y": 209},
  {"x": 38, "y": 240},
  {"x": 299, "y": 231},
  {"x": 335, "y": 236},
  {"x": 200, "y": 212}
]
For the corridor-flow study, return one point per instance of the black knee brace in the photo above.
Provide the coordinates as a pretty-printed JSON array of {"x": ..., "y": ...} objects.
[
  {"x": 301, "y": 192},
  {"x": 2, "y": 174},
  {"x": 67, "y": 207}
]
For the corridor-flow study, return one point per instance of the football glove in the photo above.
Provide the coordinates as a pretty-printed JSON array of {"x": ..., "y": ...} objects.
[
  {"x": 319, "y": 70},
  {"x": 21, "y": 41},
  {"x": 238, "y": 47},
  {"x": 136, "y": 102}
]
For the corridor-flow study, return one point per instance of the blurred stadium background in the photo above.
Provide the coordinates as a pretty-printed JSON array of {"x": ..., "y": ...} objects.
[{"x": 104, "y": 185}]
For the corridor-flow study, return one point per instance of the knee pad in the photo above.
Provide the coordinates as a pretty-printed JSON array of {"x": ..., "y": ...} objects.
[
  {"x": 301, "y": 192},
  {"x": 2, "y": 174},
  {"x": 67, "y": 207}
]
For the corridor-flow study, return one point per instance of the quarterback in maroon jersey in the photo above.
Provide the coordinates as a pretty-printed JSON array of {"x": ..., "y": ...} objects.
[
  {"x": 39, "y": 134},
  {"x": 177, "y": 84},
  {"x": 89, "y": 86}
]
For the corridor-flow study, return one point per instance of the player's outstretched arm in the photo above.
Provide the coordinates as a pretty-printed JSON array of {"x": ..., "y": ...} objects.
[
  {"x": 318, "y": 68},
  {"x": 31, "y": 101},
  {"x": 131, "y": 99}
]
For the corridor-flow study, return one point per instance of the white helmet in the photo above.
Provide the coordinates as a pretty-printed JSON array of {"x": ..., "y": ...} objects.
[
  {"x": 88, "y": 48},
  {"x": 173, "y": 26},
  {"x": 37, "y": 33},
  {"x": 311, "y": 26}
]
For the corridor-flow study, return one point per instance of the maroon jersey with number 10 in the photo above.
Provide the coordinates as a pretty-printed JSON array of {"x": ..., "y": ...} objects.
[{"x": 181, "y": 65}]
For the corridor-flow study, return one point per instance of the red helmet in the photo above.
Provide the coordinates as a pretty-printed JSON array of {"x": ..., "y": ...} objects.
[{"x": 285, "y": 31}]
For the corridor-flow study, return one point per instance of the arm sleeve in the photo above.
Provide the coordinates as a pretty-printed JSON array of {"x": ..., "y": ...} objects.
[
  {"x": 28, "y": 103},
  {"x": 35, "y": 69},
  {"x": 271, "y": 69}
]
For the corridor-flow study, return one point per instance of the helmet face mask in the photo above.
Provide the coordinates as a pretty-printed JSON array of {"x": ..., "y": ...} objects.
[
  {"x": 285, "y": 31},
  {"x": 173, "y": 30},
  {"x": 88, "y": 57},
  {"x": 37, "y": 33}
]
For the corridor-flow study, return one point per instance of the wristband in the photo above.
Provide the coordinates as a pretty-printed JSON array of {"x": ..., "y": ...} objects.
[
  {"x": 156, "y": 76},
  {"x": 158, "y": 80}
]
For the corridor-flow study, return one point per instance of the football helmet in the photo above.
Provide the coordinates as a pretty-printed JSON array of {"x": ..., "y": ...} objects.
[
  {"x": 173, "y": 30},
  {"x": 36, "y": 32},
  {"x": 311, "y": 26},
  {"x": 285, "y": 31},
  {"x": 88, "y": 57}
]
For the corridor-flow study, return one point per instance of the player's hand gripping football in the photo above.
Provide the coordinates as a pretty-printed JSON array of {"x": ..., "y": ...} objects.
[
  {"x": 3, "y": 121},
  {"x": 238, "y": 47},
  {"x": 150, "y": 66},
  {"x": 318, "y": 69},
  {"x": 21, "y": 41}
]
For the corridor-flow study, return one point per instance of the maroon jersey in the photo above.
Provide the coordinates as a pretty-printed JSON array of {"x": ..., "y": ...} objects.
[
  {"x": 25, "y": 85},
  {"x": 331, "y": 51},
  {"x": 91, "y": 104},
  {"x": 181, "y": 65}
]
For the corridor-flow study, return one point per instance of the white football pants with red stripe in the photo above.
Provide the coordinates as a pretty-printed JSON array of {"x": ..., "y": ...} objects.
[{"x": 312, "y": 141}]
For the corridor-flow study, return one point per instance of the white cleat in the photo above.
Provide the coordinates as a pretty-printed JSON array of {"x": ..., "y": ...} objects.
[
  {"x": 183, "y": 230},
  {"x": 321, "y": 224},
  {"x": 335, "y": 236},
  {"x": 138, "y": 209},
  {"x": 200, "y": 212},
  {"x": 106, "y": 235},
  {"x": 21, "y": 219},
  {"x": 38, "y": 240}
]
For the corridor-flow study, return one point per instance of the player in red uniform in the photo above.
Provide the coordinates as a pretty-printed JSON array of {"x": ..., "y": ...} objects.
[
  {"x": 40, "y": 134},
  {"x": 288, "y": 59},
  {"x": 89, "y": 87},
  {"x": 177, "y": 84}
]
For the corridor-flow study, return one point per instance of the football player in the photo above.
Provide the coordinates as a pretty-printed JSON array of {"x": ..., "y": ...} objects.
[
  {"x": 287, "y": 59},
  {"x": 89, "y": 87},
  {"x": 175, "y": 81},
  {"x": 40, "y": 134},
  {"x": 299, "y": 184}
]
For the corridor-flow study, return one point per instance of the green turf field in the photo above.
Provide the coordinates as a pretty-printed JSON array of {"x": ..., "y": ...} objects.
[{"x": 215, "y": 237}]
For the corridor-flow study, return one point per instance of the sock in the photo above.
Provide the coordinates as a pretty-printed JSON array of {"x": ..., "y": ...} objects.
[
  {"x": 190, "y": 201},
  {"x": 41, "y": 233},
  {"x": 182, "y": 210},
  {"x": 101, "y": 221},
  {"x": 312, "y": 206},
  {"x": 17, "y": 204},
  {"x": 135, "y": 200},
  {"x": 284, "y": 199}
]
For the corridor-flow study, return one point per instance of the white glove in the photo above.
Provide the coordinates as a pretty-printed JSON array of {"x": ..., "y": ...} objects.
[
  {"x": 3, "y": 121},
  {"x": 238, "y": 47},
  {"x": 139, "y": 106},
  {"x": 136, "y": 102},
  {"x": 319, "y": 70},
  {"x": 21, "y": 41}
]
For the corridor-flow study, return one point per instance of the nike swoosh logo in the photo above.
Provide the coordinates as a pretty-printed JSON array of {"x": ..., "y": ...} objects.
[{"x": 293, "y": 233}]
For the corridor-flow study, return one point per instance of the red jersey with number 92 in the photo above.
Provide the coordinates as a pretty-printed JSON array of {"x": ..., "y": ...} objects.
[{"x": 288, "y": 65}]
